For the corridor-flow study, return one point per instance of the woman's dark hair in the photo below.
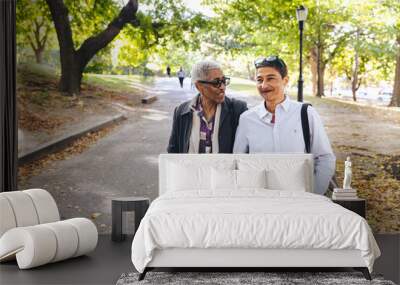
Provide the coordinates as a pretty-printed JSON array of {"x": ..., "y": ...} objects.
[{"x": 272, "y": 61}]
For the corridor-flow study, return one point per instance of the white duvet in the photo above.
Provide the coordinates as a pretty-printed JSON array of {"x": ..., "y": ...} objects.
[{"x": 250, "y": 219}]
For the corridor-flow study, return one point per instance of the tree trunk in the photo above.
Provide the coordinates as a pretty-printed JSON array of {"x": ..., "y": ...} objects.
[
  {"x": 38, "y": 55},
  {"x": 37, "y": 43},
  {"x": 250, "y": 72},
  {"x": 320, "y": 73},
  {"x": 314, "y": 70},
  {"x": 73, "y": 62},
  {"x": 354, "y": 80},
  {"x": 59, "y": 13},
  {"x": 71, "y": 78},
  {"x": 395, "y": 102},
  {"x": 38, "y": 46}
]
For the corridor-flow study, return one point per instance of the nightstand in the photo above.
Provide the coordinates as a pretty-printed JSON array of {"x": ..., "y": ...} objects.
[
  {"x": 139, "y": 205},
  {"x": 357, "y": 205}
]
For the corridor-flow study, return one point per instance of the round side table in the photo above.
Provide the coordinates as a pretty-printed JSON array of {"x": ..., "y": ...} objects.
[{"x": 126, "y": 204}]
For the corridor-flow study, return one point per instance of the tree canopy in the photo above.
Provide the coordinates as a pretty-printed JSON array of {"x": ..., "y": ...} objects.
[{"x": 358, "y": 40}]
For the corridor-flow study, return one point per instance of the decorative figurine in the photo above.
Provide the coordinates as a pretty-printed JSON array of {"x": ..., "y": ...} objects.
[{"x": 347, "y": 174}]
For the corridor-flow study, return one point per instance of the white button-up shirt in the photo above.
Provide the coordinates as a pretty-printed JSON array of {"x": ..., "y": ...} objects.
[{"x": 256, "y": 134}]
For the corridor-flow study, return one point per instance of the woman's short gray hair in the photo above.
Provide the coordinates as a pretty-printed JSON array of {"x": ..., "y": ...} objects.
[{"x": 200, "y": 69}]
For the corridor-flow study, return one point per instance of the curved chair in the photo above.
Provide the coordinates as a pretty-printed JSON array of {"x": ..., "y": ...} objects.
[{"x": 31, "y": 230}]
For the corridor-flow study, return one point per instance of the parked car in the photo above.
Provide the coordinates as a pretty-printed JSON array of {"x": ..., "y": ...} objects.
[
  {"x": 362, "y": 94},
  {"x": 344, "y": 93},
  {"x": 366, "y": 95},
  {"x": 384, "y": 96}
]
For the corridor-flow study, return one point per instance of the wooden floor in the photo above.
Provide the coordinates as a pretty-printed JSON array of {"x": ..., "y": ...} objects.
[{"x": 110, "y": 260}]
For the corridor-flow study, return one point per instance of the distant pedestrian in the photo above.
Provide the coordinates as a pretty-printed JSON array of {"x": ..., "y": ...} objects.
[
  {"x": 181, "y": 76},
  {"x": 168, "y": 71}
]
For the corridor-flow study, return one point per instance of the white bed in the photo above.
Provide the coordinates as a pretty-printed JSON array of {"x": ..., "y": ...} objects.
[{"x": 225, "y": 217}]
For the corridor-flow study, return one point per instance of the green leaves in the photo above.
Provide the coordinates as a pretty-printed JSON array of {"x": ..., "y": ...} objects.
[
  {"x": 237, "y": 29},
  {"x": 34, "y": 26},
  {"x": 90, "y": 17},
  {"x": 335, "y": 29}
]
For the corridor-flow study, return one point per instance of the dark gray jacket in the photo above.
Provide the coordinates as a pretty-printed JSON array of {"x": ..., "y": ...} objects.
[{"x": 231, "y": 109}]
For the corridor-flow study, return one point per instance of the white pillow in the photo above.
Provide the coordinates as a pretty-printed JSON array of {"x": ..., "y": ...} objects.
[
  {"x": 282, "y": 174},
  {"x": 231, "y": 180},
  {"x": 223, "y": 179},
  {"x": 251, "y": 178},
  {"x": 293, "y": 180},
  {"x": 188, "y": 177}
]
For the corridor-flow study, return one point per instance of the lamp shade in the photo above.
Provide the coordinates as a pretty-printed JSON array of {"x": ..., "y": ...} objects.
[{"x": 301, "y": 13}]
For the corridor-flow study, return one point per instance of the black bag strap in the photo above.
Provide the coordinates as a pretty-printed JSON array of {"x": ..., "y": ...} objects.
[
  {"x": 306, "y": 135},
  {"x": 306, "y": 127}
]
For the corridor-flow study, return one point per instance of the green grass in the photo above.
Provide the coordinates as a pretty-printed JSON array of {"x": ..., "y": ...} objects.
[
  {"x": 243, "y": 85},
  {"x": 119, "y": 83},
  {"x": 39, "y": 70}
]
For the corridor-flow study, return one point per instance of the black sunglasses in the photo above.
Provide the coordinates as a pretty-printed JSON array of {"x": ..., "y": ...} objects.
[
  {"x": 217, "y": 82},
  {"x": 272, "y": 60}
]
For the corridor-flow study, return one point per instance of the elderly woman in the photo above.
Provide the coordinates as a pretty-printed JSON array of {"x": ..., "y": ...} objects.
[
  {"x": 208, "y": 122},
  {"x": 276, "y": 125}
]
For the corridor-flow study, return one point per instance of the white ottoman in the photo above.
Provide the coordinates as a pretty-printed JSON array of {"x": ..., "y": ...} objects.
[{"x": 31, "y": 232}]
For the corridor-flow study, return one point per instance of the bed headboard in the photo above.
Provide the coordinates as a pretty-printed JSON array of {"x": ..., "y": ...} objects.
[{"x": 210, "y": 159}]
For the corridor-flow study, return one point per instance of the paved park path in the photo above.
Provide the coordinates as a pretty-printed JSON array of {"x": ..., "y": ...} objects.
[{"x": 125, "y": 162}]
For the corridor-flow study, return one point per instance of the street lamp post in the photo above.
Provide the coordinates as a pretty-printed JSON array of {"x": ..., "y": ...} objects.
[{"x": 301, "y": 14}]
